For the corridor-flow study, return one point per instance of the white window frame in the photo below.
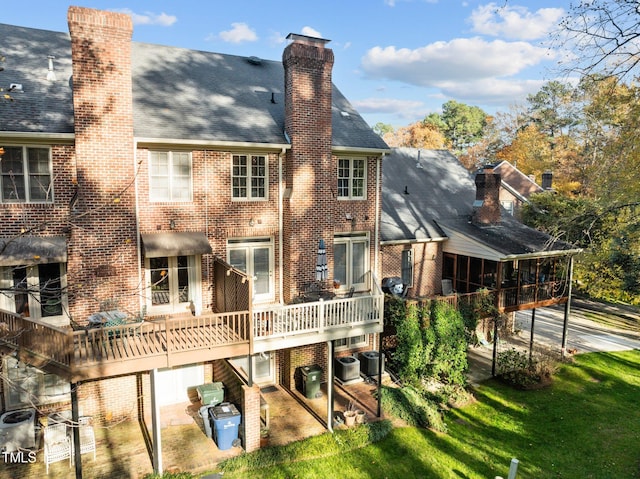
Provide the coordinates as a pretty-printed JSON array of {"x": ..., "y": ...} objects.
[
  {"x": 173, "y": 191},
  {"x": 25, "y": 385},
  {"x": 7, "y": 298},
  {"x": 352, "y": 171},
  {"x": 249, "y": 245},
  {"x": 27, "y": 176},
  {"x": 352, "y": 342},
  {"x": 194, "y": 271},
  {"x": 508, "y": 205},
  {"x": 349, "y": 240},
  {"x": 407, "y": 267},
  {"x": 241, "y": 364},
  {"x": 249, "y": 177}
]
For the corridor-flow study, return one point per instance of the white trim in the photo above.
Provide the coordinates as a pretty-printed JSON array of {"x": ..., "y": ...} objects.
[{"x": 226, "y": 145}]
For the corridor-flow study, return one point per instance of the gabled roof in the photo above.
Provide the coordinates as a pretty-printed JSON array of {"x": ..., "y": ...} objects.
[
  {"x": 178, "y": 94},
  {"x": 434, "y": 202},
  {"x": 516, "y": 180}
]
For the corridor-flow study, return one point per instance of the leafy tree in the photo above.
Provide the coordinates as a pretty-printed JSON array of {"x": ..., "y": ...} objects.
[
  {"x": 382, "y": 128},
  {"x": 417, "y": 135},
  {"x": 461, "y": 124}
]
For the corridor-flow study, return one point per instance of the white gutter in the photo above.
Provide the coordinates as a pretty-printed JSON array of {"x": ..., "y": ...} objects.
[
  {"x": 280, "y": 226},
  {"x": 38, "y": 137},
  {"x": 362, "y": 151},
  {"x": 228, "y": 145},
  {"x": 413, "y": 241}
]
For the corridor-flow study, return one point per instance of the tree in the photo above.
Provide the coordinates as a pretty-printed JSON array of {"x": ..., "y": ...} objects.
[
  {"x": 461, "y": 124},
  {"x": 382, "y": 128},
  {"x": 602, "y": 37},
  {"x": 417, "y": 135}
]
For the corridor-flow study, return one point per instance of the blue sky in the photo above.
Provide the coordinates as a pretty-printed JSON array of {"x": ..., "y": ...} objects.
[{"x": 395, "y": 60}]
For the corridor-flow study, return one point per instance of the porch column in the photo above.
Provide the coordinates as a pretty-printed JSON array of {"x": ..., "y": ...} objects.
[
  {"x": 533, "y": 321},
  {"x": 155, "y": 424},
  {"x": 75, "y": 417},
  {"x": 567, "y": 309},
  {"x": 330, "y": 386}
]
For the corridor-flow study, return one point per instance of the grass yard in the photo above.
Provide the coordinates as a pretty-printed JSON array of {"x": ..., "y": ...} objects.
[{"x": 585, "y": 426}]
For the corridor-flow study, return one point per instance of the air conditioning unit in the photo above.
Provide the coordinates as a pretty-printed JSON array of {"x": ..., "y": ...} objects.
[
  {"x": 347, "y": 368},
  {"x": 18, "y": 430},
  {"x": 370, "y": 362}
]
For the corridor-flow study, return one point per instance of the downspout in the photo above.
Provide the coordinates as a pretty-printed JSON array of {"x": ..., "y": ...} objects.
[
  {"x": 143, "y": 297},
  {"x": 376, "y": 252},
  {"x": 280, "y": 223}
]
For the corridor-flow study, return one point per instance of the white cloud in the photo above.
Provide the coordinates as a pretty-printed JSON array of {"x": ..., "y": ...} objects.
[
  {"x": 514, "y": 21},
  {"x": 490, "y": 91},
  {"x": 239, "y": 33},
  {"x": 408, "y": 110},
  {"x": 149, "y": 18},
  {"x": 311, "y": 32},
  {"x": 457, "y": 60}
]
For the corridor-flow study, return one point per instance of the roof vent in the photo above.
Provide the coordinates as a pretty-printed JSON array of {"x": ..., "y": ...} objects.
[
  {"x": 15, "y": 87},
  {"x": 254, "y": 60}
]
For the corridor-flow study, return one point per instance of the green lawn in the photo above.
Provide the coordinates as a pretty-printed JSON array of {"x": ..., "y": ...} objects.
[{"x": 585, "y": 426}]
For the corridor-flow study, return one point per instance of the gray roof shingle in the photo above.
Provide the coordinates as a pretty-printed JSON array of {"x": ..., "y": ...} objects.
[
  {"x": 178, "y": 94},
  {"x": 419, "y": 202}
]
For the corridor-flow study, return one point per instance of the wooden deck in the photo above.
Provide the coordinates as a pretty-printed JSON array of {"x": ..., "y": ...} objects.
[
  {"x": 128, "y": 348},
  {"x": 99, "y": 352}
]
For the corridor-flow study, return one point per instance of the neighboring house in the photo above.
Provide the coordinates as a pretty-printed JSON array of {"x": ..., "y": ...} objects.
[
  {"x": 189, "y": 189},
  {"x": 516, "y": 187},
  {"x": 443, "y": 230}
]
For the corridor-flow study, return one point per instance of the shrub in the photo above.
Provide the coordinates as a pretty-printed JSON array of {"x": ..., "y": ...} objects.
[
  {"x": 515, "y": 368},
  {"x": 413, "y": 407}
]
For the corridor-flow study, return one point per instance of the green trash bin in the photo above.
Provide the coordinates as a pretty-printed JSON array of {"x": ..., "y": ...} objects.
[
  {"x": 311, "y": 381},
  {"x": 211, "y": 394}
]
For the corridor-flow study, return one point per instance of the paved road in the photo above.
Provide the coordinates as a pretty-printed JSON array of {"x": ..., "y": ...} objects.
[
  {"x": 618, "y": 329},
  {"x": 583, "y": 334}
]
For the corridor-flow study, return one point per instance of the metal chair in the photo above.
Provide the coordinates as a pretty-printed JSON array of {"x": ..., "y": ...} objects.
[{"x": 57, "y": 444}]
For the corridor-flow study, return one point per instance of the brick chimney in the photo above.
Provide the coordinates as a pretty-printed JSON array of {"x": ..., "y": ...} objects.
[
  {"x": 486, "y": 207},
  {"x": 310, "y": 172},
  {"x": 103, "y": 232}
]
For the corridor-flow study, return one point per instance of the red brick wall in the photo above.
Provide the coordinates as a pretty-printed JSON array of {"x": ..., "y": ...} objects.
[
  {"x": 488, "y": 192},
  {"x": 102, "y": 245},
  {"x": 427, "y": 266}
]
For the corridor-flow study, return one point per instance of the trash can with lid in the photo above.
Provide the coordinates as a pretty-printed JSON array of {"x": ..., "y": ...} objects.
[
  {"x": 226, "y": 422},
  {"x": 206, "y": 419},
  {"x": 311, "y": 381},
  {"x": 211, "y": 394}
]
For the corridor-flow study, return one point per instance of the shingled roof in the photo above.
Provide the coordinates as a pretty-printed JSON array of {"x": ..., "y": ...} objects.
[
  {"x": 179, "y": 94},
  {"x": 428, "y": 195}
]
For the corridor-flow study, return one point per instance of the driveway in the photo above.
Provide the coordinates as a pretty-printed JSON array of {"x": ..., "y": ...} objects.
[{"x": 592, "y": 327}]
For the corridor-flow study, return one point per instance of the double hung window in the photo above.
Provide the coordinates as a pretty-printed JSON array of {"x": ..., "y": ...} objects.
[
  {"x": 249, "y": 177},
  {"x": 170, "y": 175},
  {"x": 351, "y": 178},
  {"x": 26, "y": 174},
  {"x": 26, "y": 385},
  {"x": 407, "y": 267}
]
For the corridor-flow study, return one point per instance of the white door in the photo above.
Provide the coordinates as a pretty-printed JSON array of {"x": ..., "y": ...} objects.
[{"x": 174, "y": 383}]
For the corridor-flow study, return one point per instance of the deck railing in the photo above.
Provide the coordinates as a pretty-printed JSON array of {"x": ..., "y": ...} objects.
[
  {"x": 513, "y": 298},
  {"x": 318, "y": 316},
  {"x": 161, "y": 338}
]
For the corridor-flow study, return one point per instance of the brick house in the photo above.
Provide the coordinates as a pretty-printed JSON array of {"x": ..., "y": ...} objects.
[
  {"x": 516, "y": 187},
  {"x": 190, "y": 190},
  {"x": 444, "y": 231}
]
